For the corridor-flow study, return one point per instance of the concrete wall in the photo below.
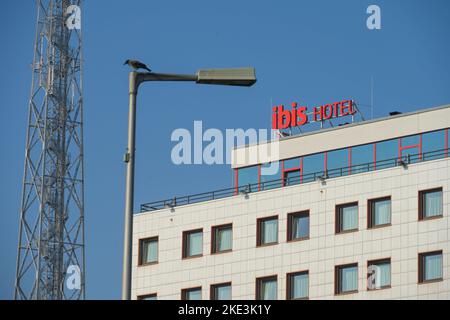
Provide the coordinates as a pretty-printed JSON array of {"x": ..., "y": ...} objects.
[{"x": 402, "y": 241}]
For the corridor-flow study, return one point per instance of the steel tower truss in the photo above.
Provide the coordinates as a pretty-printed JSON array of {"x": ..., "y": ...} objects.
[{"x": 50, "y": 259}]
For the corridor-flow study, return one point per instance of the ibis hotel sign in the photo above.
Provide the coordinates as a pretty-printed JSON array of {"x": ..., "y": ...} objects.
[{"x": 300, "y": 115}]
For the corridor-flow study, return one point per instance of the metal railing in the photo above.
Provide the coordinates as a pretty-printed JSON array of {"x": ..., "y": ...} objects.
[{"x": 295, "y": 180}]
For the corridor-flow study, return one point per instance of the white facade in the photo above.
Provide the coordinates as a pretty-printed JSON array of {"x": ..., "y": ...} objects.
[{"x": 401, "y": 241}]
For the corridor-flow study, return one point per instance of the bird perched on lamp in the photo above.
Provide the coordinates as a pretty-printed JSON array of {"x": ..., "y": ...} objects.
[{"x": 137, "y": 65}]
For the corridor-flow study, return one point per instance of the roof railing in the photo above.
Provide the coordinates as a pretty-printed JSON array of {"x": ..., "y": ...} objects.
[{"x": 295, "y": 180}]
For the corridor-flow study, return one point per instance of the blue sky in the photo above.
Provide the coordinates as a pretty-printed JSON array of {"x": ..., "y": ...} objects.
[{"x": 309, "y": 51}]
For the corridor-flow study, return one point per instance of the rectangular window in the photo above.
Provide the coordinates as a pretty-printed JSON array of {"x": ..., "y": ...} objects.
[
  {"x": 266, "y": 288},
  {"x": 363, "y": 158},
  {"x": 192, "y": 243},
  {"x": 191, "y": 294},
  {"x": 313, "y": 167},
  {"x": 433, "y": 145},
  {"x": 248, "y": 178},
  {"x": 222, "y": 238},
  {"x": 270, "y": 175},
  {"x": 379, "y": 274},
  {"x": 379, "y": 212},
  {"x": 292, "y": 177},
  {"x": 221, "y": 291},
  {"x": 297, "y": 285},
  {"x": 409, "y": 148},
  {"x": 430, "y": 266},
  {"x": 298, "y": 226},
  {"x": 292, "y": 171},
  {"x": 430, "y": 203},
  {"x": 347, "y": 217},
  {"x": 338, "y": 163},
  {"x": 148, "y": 251},
  {"x": 152, "y": 296},
  {"x": 267, "y": 231},
  {"x": 387, "y": 153},
  {"x": 346, "y": 278}
]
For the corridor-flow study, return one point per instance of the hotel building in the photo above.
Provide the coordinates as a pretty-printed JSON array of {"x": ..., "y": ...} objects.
[{"x": 359, "y": 211}]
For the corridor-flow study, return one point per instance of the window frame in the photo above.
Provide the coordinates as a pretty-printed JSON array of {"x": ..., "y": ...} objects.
[
  {"x": 371, "y": 213},
  {"x": 141, "y": 248},
  {"x": 259, "y": 228},
  {"x": 371, "y": 165},
  {"x": 417, "y": 146},
  {"x": 214, "y": 238},
  {"x": 290, "y": 219},
  {"x": 185, "y": 291},
  {"x": 237, "y": 184},
  {"x": 185, "y": 243},
  {"x": 306, "y": 177},
  {"x": 379, "y": 261},
  {"x": 337, "y": 280},
  {"x": 289, "y": 277},
  {"x": 213, "y": 287},
  {"x": 421, "y": 203},
  {"x": 285, "y": 172},
  {"x": 345, "y": 170},
  {"x": 144, "y": 296},
  {"x": 421, "y": 266},
  {"x": 258, "y": 282},
  {"x": 337, "y": 217}
]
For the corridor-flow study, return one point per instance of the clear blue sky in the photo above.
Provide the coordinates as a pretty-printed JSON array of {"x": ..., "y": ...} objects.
[{"x": 308, "y": 51}]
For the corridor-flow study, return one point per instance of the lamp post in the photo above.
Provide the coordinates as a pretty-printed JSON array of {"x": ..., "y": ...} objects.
[{"x": 231, "y": 77}]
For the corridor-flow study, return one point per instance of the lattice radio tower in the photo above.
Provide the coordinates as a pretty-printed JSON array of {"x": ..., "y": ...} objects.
[{"x": 50, "y": 259}]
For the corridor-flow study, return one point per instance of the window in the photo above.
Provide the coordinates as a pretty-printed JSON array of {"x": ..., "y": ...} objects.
[
  {"x": 292, "y": 171},
  {"x": 221, "y": 291},
  {"x": 433, "y": 145},
  {"x": 379, "y": 212},
  {"x": 152, "y": 296},
  {"x": 266, "y": 288},
  {"x": 363, "y": 158},
  {"x": 267, "y": 231},
  {"x": 270, "y": 175},
  {"x": 222, "y": 238},
  {"x": 298, "y": 226},
  {"x": 409, "y": 148},
  {"x": 387, "y": 153},
  {"x": 313, "y": 166},
  {"x": 292, "y": 177},
  {"x": 379, "y": 274},
  {"x": 297, "y": 285},
  {"x": 191, "y": 294},
  {"x": 430, "y": 203},
  {"x": 430, "y": 266},
  {"x": 338, "y": 162},
  {"x": 248, "y": 176},
  {"x": 193, "y": 243},
  {"x": 148, "y": 251},
  {"x": 346, "y": 278},
  {"x": 347, "y": 217}
]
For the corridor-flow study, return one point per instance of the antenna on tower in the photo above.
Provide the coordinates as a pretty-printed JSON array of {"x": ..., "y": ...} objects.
[{"x": 50, "y": 258}]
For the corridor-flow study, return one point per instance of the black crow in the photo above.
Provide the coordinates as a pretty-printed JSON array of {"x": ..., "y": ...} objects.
[{"x": 137, "y": 65}]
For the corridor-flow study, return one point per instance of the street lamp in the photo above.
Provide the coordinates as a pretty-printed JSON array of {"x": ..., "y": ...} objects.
[{"x": 231, "y": 77}]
